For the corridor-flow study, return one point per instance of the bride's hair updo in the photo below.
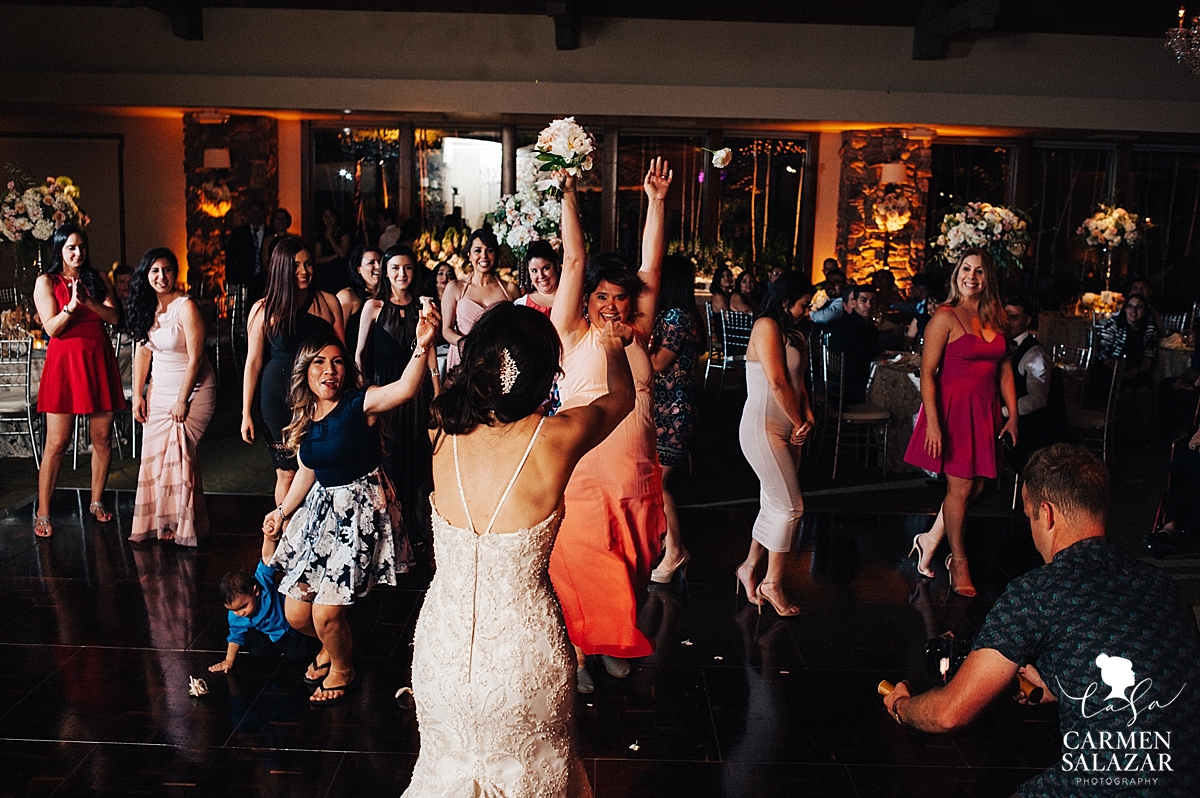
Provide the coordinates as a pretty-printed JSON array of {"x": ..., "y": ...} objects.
[{"x": 476, "y": 393}]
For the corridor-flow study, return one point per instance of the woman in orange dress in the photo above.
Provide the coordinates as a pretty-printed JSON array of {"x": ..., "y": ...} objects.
[
  {"x": 81, "y": 376},
  {"x": 614, "y": 524}
]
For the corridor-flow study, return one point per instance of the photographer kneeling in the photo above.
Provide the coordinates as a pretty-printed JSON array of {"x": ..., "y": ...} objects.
[{"x": 1106, "y": 636}]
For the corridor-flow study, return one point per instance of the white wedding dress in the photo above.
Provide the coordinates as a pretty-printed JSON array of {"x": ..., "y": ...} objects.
[{"x": 493, "y": 671}]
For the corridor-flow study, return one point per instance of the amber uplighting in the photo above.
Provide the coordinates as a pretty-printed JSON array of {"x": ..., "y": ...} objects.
[{"x": 215, "y": 199}]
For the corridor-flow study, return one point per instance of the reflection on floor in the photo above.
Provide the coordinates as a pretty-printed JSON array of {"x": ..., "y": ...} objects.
[{"x": 98, "y": 639}]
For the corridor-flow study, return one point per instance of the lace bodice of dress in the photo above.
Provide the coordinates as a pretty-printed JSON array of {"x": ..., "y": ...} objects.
[{"x": 493, "y": 671}]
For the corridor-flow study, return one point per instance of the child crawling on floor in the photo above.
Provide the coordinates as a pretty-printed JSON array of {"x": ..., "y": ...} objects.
[{"x": 256, "y": 619}]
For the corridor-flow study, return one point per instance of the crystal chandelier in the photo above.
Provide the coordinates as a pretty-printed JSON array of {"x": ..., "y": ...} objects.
[{"x": 1185, "y": 43}]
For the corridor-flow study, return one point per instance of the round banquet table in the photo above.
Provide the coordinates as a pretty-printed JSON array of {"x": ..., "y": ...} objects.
[{"x": 897, "y": 387}]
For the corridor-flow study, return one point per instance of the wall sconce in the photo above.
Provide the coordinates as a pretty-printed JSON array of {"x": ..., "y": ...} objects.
[
  {"x": 217, "y": 158},
  {"x": 893, "y": 173}
]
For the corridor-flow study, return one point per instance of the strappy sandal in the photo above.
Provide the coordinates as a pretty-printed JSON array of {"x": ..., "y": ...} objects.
[
  {"x": 321, "y": 670},
  {"x": 42, "y": 527},
  {"x": 340, "y": 692},
  {"x": 98, "y": 512}
]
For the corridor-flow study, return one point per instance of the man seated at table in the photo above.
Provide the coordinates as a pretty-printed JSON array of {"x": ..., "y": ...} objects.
[
  {"x": 834, "y": 286},
  {"x": 855, "y": 334},
  {"x": 1041, "y": 406},
  {"x": 1106, "y": 636}
]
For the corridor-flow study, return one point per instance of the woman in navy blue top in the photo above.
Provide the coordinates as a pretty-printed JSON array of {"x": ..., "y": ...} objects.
[{"x": 347, "y": 535}]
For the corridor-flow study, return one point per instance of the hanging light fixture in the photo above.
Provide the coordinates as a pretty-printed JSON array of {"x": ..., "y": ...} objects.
[{"x": 1185, "y": 43}]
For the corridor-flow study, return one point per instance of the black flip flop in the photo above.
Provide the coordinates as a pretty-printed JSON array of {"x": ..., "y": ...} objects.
[
  {"x": 345, "y": 688},
  {"x": 318, "y": 668}
]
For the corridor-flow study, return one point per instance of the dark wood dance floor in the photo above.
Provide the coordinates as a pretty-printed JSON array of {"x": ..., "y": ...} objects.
[{"x": 98, "y": 639}]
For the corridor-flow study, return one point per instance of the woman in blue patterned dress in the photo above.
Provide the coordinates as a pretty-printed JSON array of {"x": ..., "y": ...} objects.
[{"x": 676, "y": 344}]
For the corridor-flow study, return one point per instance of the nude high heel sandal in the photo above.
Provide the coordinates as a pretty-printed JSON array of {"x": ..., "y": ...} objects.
[{"x": 968, "y": 590}]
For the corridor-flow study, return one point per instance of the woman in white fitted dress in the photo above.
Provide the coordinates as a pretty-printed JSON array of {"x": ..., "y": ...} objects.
[
  {"x": 493, "y": 670},
  {"x": 776, "y": 421}
]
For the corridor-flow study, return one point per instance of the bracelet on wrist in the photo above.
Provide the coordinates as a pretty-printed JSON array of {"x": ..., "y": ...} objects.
[
  {"x": 67, "y": 310},
  {"x": 896, "y": 711},
  {"x": 282, "y": 516},
  {"x": 419, "y": 351}
]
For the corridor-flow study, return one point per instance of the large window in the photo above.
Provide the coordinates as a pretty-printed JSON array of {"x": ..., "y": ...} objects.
[
  {"x": 1166, "y": 190},
  {"x": 761, "y": 198},
  {"x": 966, "y": 172},
  {"x": 684, "y": 206}
]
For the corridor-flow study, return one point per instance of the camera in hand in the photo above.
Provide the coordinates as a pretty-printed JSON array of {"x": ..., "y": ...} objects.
[{"x": 945, "y": 653}]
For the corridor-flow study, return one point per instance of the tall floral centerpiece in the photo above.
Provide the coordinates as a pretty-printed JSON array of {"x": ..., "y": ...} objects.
[
  {"x": 525, "y": 217},
  {"x": 1108, "y": 229},
  {"x": 563, "y": 145},
  {"x": 1002, "y": 232},
  {"x": 29, "y": 214}
]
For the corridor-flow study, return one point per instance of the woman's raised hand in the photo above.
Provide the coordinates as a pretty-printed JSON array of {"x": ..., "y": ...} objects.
[
  {"x": 429, "y": 325},
  {"x": 618, "y": 331},
  {"x": 658, "y": 180}
]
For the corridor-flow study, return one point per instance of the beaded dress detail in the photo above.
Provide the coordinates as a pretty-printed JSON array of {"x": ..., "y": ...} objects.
[{"x": 493, "y": 671}]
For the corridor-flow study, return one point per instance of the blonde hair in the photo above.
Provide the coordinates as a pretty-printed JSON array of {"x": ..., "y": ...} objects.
[
  {"x": 301, "y": 399},
  {"x": 991, "y": 308}
]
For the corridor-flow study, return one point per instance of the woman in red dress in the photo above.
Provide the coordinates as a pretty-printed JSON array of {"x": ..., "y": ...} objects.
[
  {"x": 81, "y": 376},
  {"x": 965, "y": 370}
]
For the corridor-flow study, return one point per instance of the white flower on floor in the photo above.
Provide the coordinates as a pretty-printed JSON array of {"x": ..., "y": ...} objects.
[{"x": 196, "y": 687}]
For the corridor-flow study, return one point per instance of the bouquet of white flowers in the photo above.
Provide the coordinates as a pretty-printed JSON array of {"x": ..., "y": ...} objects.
[
  {"x": 564, "y": 145},
  {"x": 892, "y": 211},
  {"x": 1003, "y": 232},
  {"x": 1109, "y": 228},
  {"x": 525, "y": 217}
]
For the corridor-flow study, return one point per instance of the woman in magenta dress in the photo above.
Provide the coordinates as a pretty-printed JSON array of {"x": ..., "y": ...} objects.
[
  {"x": 169, "y": 331},
  {"x": 964, "y": 371},
  {"x": 463, "y": 302},
  {"x": 81, "y": 376}
]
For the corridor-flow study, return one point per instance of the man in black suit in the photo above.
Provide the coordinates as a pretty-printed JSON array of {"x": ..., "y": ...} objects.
[
  {"x": 855, "y": 334},
  {"x": 243, "y": 265}
]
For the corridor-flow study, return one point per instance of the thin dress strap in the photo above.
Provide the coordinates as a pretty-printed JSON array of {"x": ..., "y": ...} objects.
[
  {"x": 507, "y": 490},
  {"x": 961, "y": 326}
]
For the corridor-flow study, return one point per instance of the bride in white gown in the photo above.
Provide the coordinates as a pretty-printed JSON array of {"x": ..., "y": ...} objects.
[{"x": 493, "y": 671}]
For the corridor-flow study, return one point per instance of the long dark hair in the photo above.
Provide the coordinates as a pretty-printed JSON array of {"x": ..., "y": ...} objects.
[
  {"x": 474, "y": 395},
  {"x": 715, "y": 286},
  {"x": 357, "y": 284},
  {"x": 92, "y": 281},
  {"x": 489, "y": 240},
  {"x": 143, "y": 300},
  {"x": 282, "y": 299},
  {"x": 784, "y": 293},
  {"x": 677, "y": 288},
  {"x": 300, "y": 396},
  {"x": 421, "y": 279}
]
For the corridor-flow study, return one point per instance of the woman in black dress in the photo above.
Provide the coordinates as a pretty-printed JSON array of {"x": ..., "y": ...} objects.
[
  {"x": 386, "y": 336},
  {"x": 366, "y": 264},
  {"x": 292, "y": 310}
]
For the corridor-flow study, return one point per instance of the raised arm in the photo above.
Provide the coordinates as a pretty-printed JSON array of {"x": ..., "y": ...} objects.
[
  {"x": 654, "y": 244},
  {"x": 380, "y": 398},
  {"x": 567, "y": 313}
]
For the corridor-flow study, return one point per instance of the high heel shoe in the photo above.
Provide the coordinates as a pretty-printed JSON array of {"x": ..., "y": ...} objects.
[
  {"x": 786, "y": 612},
  {"x": 664, "y": 577},
  {"x": 919, "y": 550},
  {"x": 751, "y": 595},
  {"x": 968, "y": 590}
]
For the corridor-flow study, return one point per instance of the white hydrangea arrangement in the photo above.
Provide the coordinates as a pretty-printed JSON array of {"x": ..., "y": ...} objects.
[
  {"x": 1003, "y": 232},
  {"x": 525, "y": 217},
  {"x": 1110, "y": 227},
  {"x": 36, "y": 210}
]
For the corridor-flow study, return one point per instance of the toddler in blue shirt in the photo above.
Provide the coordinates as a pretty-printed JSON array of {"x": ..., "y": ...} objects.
[{"x": 256, "y": 618}]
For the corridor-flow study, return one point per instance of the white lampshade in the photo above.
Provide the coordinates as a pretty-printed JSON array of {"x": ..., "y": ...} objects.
[
  {"x": 216, "y": 158},
  {"x": 895, "y": 172}
]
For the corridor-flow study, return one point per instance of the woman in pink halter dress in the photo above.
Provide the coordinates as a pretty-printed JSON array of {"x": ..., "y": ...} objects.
[
  {"x": 465, "y": 301},
  {"x": 964, "y": 371}
]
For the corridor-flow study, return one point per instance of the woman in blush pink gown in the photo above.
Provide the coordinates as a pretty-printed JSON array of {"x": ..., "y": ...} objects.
[
  {"x": 183, "y": 393},
  {"x": 965, "y": 370},
  {"x": 463, "y": 302}
]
